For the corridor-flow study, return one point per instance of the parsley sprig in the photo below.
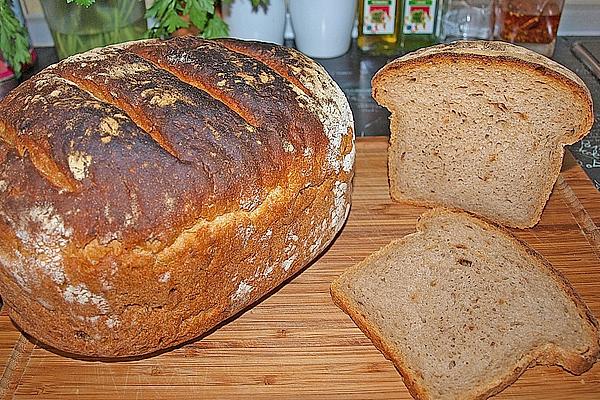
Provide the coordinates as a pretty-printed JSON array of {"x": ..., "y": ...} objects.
[
  {"x": 85, "y": 3},
  {"x": 171, "y": 15},
  {"x": 14, "y": 44}
]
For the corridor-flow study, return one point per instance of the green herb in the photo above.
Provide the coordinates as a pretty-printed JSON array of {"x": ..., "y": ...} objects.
[
  {"x": 171, "y": 15},
  {"x": 14, "y": 44},
  {"x": 85, "y": 3}
]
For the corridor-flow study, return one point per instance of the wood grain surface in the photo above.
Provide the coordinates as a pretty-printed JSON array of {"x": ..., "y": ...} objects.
[{"x": 296, "y": 343}]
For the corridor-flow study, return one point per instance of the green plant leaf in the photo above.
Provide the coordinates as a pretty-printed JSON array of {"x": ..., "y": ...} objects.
[
  {"x": 180, "y": 6},
  {"x": 159, "y": 8},
  {"x": 215, "y": 28},
  {"x": 170, "y": 15},
  {"x": 85, "y": 3},
  {"x": 173, "y": 21},
  {"x": 198, "y": 17},
  {"x": 206, "y": 5},
  {"x": 185, "y": 8},
  {"x": 14, "y": 44}
]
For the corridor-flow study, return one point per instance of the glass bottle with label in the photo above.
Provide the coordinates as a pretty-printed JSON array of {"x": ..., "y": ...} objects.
[
  {"x": 379, "y": 26},
  {"x": 419, "y": 23}
]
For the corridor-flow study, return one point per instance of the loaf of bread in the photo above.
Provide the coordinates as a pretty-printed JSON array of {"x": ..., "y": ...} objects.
[
  {"x": 150, "y": 190},
  {"x": 480, "y": 126},
  {"x": 462, "y": 308}
]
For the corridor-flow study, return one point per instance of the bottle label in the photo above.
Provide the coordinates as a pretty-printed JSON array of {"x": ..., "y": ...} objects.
[
  {"x": 419, "y": 16},
  {"x": 379, "y": 17}
]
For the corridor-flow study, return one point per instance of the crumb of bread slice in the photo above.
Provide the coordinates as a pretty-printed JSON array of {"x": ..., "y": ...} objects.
[
  {"x": 480, "y": 126},
  {"x": 462, "y": 308}
]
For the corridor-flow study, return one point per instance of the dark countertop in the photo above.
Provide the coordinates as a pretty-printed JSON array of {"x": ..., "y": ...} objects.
[{"x": 354, "y": 70}]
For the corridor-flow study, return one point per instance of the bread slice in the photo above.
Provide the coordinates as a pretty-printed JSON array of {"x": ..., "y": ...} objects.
[
  {"x": 480, "y": 126},
  {"x": 462, "y": 308}
]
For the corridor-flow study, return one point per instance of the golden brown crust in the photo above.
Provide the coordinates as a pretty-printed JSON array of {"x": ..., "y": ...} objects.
[
  {"x": 500, "y": 54},
  {"x": 148, "y": 192},
  {"x": 549, "y": 354},
  {"x": 307, "y": 78}
]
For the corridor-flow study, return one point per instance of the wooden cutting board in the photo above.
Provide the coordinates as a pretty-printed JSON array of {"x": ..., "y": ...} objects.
[{"x": 296, "y": 343}]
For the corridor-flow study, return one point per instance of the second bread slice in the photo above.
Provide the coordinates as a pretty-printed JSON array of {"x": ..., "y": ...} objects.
[
  {"x": 480, "y": 126},
  {"x": 462, "y": 308}
]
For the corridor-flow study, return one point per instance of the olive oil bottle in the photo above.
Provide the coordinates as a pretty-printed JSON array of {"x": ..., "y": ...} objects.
[
  {"x": 420, "y": 22},
  {"x": 379, "y": 26}
]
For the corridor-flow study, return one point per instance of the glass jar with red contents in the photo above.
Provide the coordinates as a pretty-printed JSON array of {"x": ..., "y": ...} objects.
[{"x": 529, "y": 23}]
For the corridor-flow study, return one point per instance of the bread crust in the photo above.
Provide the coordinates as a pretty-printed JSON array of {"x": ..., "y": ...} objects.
[
  {"x": 484, "y": 53},
  {"x": 499, "y": 53},
  {"x": 549, "y": 354},
  {"x": 153, "y": 189}
]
